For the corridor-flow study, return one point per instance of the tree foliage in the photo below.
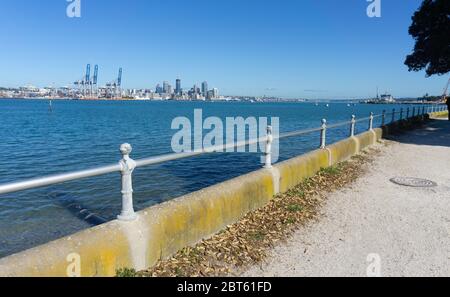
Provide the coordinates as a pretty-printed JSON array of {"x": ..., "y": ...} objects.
[{"x": 431, "y": 31}]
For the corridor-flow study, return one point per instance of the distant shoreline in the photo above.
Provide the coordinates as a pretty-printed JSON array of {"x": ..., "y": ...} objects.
[{"x": 312, "y": 101}]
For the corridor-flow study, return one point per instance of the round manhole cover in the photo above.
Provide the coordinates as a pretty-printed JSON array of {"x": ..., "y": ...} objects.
[{"x": 413, "y": 182}]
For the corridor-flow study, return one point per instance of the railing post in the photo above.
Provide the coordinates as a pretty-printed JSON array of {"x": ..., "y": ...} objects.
[
  {"x": 423, "y": 110},
  {"x": 401, "y": 114},
  {"x": 371, "y": 122},
  {"x": 352, "y": 126},
  {"x": 128, "y": 165},
  {"x": 323, "y": 134},
  {"x": 393, "y": 115},
  {"x": 383, "y": 118},
  {"x": 407, "y": 113},
  {"x": 268, "y": 152}
]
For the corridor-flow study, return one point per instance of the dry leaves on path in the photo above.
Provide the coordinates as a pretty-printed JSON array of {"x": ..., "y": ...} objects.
[{"x": 249, "y": 241}]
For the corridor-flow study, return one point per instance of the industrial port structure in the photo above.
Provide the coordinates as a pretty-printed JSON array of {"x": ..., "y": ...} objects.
[{"x": 87, "y": 87}]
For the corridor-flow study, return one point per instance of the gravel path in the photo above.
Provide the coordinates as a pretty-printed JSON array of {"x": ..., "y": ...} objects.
[{"x": 406, "y": 230}]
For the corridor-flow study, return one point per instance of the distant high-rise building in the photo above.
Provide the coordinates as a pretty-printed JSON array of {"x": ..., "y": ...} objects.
[
  {"x": 166, "y": 87},
  {"x": 178, "y": 87},
  {"x": 210, "y": 95},
  {"x": 158, "y": 89},
  {"x": 204, "y": 88},
  {"x": 215, "y": 93}
]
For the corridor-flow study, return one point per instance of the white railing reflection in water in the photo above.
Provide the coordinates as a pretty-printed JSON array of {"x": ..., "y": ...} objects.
[{"x": 127, "y": 165}]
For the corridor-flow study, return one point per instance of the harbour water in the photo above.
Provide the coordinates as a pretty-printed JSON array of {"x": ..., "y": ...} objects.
[{"x": 36, "y": 141}]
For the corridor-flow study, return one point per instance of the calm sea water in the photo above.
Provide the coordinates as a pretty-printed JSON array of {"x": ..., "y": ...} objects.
[{"x": 82, "y": 134}]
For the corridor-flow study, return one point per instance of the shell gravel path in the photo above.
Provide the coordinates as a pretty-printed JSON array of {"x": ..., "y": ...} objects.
[{"x": 376, "y": 226}]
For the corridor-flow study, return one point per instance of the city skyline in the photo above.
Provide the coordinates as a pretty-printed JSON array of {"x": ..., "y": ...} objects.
[
  {"x": 275, "y": 51},
  {"x": 89, "y": 88}
]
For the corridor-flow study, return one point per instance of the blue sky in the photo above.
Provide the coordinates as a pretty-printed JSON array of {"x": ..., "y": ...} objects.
[{"x": 298, "y": 48}]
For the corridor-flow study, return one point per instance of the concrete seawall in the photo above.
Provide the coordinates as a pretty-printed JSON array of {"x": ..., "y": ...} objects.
[{"x": 162, "y": 230}]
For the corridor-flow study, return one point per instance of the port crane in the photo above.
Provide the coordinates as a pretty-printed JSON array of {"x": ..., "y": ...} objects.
[
  {"x": 94, "y": 82},
  {"x": 83, "y": 83},
  {"x": 86, "y": 86},
  {"x": 87, "y": 80},
  {"x": 114, "y": 87}
]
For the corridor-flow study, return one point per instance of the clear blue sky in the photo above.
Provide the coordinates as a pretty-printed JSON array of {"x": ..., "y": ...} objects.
[{"x": 298, "y": 48}]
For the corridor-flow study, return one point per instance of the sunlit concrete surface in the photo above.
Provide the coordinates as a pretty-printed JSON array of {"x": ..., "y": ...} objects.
[{"x": 407, "y": 229}]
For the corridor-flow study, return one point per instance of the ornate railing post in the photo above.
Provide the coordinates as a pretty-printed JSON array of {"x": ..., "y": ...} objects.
[
  {"x": 383, "y": 118},
  {"x": 352, "y": 126},
  {"x": 371, "y": 122},
  {"x": 323, "y": 134},
  {"x": 128, "y": 165},
  {"x": 407, "y": 113},
  {"x": 268, "y": 153}
]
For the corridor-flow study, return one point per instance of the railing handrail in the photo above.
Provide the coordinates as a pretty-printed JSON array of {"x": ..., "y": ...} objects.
[
  {"x": 57, "y": 179},
  {"x": 127, "y": 165},
  {"x": 97, "y": 171},
  {"x": 106, "y": 169}
]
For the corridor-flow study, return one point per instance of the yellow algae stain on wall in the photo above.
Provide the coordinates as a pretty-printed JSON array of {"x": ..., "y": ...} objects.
[
  {"x": 188, "y": 219},
  {"x": 101, "y": 251},
  {"x": 294, "y": 171},
  {"x": 343, "y": 150},
  {"x": 366, "y": 139}
]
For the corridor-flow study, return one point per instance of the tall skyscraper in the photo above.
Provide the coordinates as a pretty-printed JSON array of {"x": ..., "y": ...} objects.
[
  {"x": 204, "y": 88},
  {"x": 166, "y": 87},
  {"x": 178, "y": 87},
  {"x": 215, "y": 93}
]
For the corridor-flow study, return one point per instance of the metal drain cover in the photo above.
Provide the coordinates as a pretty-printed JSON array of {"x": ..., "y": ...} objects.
[{"x": 413, "y": 182}]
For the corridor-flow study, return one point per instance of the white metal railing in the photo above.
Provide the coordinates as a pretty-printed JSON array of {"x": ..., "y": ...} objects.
[{"x": 126, "y": 165}]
